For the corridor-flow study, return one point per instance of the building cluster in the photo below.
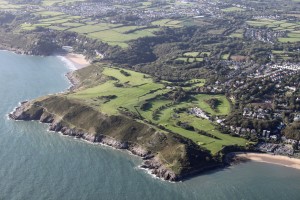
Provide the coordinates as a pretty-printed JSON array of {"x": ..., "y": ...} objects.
[
  {"x": 257, "y": 114},
  {"x": 287, "y": 66},
  {"x": 143, "y": 14},
  {"x": 264, "y": 35},
  {"x": 199, "y": 113},
  {"x": 278, "y": 149}
]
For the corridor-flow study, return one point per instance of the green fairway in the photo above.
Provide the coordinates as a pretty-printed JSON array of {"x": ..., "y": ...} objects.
[
  {"x": 129, "y": 90},
  {"x": 168, "y": 119},
  {"x": 222, "y": 109},
  {"x": 214, "y": 145}
]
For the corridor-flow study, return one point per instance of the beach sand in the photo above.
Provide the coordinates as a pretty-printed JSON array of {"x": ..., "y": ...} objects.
[
  {"x": 78, "y": 60},
  {"x": 269, "y": 158}
]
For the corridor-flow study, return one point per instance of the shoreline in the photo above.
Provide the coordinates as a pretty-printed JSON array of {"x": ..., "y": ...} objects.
[
  {"x": 238, "y": 157},
  {"x": 152, "y": 165},
  {"x": 74, "y": 61}
]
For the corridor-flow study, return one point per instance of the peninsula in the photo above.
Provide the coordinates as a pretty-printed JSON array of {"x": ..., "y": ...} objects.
[{"x": 179, "y": 83}]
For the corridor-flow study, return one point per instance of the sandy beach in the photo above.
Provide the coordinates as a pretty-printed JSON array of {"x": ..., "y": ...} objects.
[
  {"x": 78, "y": 60},
  {"x": 272, "y": 159}
]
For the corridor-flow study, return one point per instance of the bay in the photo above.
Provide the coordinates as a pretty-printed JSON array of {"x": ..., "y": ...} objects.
[{"x": 36, "y": 164}]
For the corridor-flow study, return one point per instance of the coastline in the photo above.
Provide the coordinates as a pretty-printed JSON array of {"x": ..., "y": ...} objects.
[
  {"x": 74, "y": 61},
  {"x": 285, "y": 161},
  {"x": 150, "y": 163}
]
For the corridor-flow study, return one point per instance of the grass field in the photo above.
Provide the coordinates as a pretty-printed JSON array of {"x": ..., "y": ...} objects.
[
  {"x": 222, "y": 109},
  {"x": 113, "y": 34},
  {"x": 282, "y": 55},
  {"x": 214, "y": 145},
  {"x": 196, "y": 82},
  {"x": 292, "y": 37},
  {"x": 49, "y": 13},
  {"x": 167, "y": 119},
  {"x": 191, "y": 54},
  {"x": 132, "y": 92},
  {"x": 232, "y": 9},
  {"x": 58, "y": 2},
  {"x": 225, "y": 56},
  {"x": 131, "y": 89},
  {"x": 5, "y": 5},
  {"x": 94, "y": 28},
  {"x": 238, "y": 33},
  {"x": 168, "y": 22}
]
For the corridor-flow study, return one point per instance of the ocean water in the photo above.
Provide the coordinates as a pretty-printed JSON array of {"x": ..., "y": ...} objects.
[{"x": 36, "y": 164}]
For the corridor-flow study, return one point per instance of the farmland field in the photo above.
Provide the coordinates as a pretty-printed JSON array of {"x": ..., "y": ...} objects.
[
  {"x": 191, "y": 54},
  {"x": 168, "y": 22},
  {"x": 280, "y": 25},
  {"x": 232, "y": 9}
]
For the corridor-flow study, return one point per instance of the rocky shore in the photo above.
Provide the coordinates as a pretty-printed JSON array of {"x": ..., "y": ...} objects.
[
  {"x": 72, "y": 118},
  {"x": 12, "y": 49},
  {"x": 150, "y": 161}
]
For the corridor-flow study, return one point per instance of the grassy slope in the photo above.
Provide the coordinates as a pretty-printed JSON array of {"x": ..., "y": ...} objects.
[
  {"x": 76, "y": 114},
  {"x": 135, "y": 90}
]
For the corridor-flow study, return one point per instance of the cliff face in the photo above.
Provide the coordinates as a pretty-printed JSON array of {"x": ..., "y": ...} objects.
[{"x": 168, "y": 156}]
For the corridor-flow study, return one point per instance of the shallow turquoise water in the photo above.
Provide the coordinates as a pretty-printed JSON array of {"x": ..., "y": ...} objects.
[{"x": 36, "y": 164}]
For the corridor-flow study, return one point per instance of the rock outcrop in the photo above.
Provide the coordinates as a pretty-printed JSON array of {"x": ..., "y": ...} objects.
[{"x": 165, "y": 155}]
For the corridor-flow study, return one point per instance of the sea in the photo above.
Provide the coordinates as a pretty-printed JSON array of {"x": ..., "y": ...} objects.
[{"x": 36, "y": 164}]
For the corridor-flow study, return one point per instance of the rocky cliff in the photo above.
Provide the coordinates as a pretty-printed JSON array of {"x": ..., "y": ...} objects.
[{"x": 167, "y": 156}]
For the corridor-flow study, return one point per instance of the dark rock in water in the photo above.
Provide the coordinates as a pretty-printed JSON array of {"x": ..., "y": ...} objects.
[
  {"x": 21, "y": 113},
  {"x": 57, "y": 127},
  {"x": 46, "y": 118}
]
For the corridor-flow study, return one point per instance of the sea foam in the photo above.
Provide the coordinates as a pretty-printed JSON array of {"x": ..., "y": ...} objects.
[{"x": 67, "y": 63}]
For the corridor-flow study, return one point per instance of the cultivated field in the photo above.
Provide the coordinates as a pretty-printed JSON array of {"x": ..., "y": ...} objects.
[
  {"x": 280, "y": 25},
  {"x": 113, "y": 34}
]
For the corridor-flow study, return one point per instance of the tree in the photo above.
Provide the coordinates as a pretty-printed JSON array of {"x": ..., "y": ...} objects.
[{"x": 293, "y": 132}]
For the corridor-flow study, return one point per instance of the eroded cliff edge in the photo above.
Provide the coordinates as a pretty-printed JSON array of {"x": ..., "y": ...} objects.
[{"x": 168, "y": 156}]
